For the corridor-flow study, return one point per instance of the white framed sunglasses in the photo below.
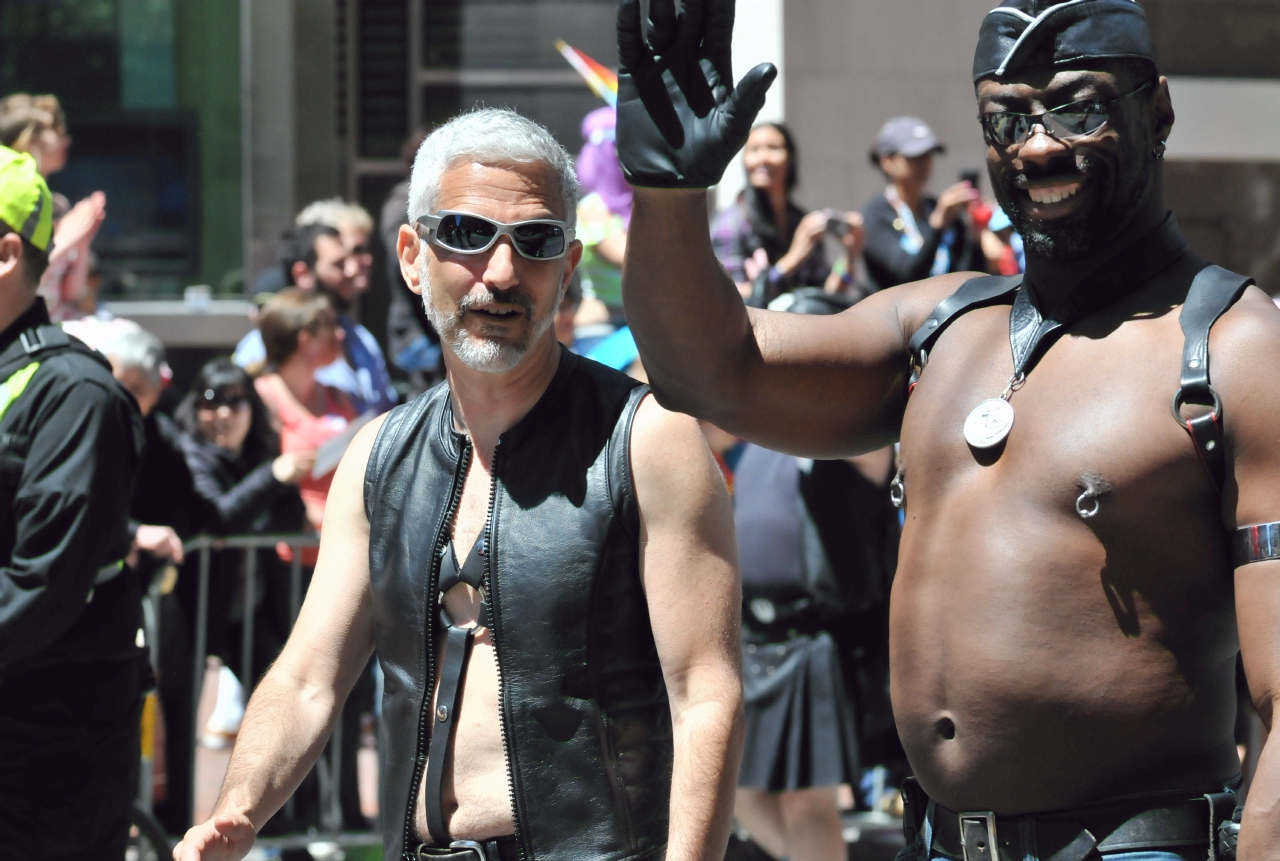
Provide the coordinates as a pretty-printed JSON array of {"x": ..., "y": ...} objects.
[{"x": 468, "y": 233}]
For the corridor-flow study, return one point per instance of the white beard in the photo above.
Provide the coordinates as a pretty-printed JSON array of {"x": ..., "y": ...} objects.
[{"x": 477, "y": 352}]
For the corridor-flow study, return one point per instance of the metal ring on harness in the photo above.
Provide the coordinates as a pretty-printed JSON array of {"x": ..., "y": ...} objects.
[{"x": 1180, "y": 398}]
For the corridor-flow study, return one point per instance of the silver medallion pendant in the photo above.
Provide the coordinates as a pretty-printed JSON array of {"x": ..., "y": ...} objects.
[{"x": 989, "y": 423}]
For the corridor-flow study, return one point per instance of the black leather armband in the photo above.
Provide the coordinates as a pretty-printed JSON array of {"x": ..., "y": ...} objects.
[{"x": 1256, "y": 543}]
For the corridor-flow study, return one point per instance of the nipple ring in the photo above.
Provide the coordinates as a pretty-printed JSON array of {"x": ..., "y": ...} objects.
[{"x": 1089, "y": 496}]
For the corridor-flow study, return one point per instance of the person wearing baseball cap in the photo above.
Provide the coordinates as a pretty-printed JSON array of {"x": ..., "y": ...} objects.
[
  {"x": 912, "y": 235},
  {"x": 71, "y": 673}
]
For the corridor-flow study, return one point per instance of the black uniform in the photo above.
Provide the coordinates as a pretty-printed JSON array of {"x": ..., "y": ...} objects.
[{"x": 70, "y": 675}]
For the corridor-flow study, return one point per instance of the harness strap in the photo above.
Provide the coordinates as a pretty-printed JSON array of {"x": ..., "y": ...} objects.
[
  {"x": 1213, "y": 291},
  {"x": 457, "y": 650},
  {"x": 975, "y": 293},
  {"x": 470, "y": 572}
]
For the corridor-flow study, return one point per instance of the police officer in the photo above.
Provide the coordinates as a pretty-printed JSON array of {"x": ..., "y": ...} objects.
[{"x": 71, "y": 678}]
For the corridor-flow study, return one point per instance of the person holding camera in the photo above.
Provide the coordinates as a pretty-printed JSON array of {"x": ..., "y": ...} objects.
[
  {"x": 912, "y": 235},
  {"x": 766, "y": 242}
]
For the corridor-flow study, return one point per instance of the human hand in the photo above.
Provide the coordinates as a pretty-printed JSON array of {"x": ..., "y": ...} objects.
[
  {"x": 952, "y": 203},
  {"x": 680, "y": 120},
  {"x": 79, "y": 225},
  {"x": 159, "y": 541},
  {"x": 807, "y": 237},
  {"x": 855, "y": 238},
  {"x": 221, "y": 838},
  {"x": 293, "y": 466}
]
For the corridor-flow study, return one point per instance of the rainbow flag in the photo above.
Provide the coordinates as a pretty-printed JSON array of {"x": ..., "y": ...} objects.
[{"x": 600, "y": 78}]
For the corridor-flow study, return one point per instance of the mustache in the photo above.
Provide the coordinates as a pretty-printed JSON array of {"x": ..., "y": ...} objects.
[
  {"x": 1086, "y": 166},
  {"x": 491, "y": 297}
]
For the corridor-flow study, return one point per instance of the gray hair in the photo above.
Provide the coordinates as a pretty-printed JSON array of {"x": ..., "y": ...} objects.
[
  {"x": 132, "y": 346},
  {"x": 489, "y": 136},
  {"x": 336, "y": 213}
]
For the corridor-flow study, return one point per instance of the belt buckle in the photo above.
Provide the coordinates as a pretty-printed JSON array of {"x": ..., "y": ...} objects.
[
  {"x": 471, "y": 845},
  {"x": 978, "y": 835}
]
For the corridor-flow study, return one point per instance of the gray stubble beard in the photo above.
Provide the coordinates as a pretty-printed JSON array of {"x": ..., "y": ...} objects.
[{"x": 482, "y": 354}]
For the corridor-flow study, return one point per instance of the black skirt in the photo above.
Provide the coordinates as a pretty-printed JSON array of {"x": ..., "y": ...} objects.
[{"x": 800, "y": 724}]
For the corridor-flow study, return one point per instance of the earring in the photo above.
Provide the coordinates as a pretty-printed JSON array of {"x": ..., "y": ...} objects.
[{"x": 1158, "y": 150}]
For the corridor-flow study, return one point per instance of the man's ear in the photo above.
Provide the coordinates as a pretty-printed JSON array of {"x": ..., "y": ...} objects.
[
  {"x": 10, "y": 256},
  {"x": 407, "y": 250},
  {"x": 303, "y": 277},
  {"x": 571, "y": 261},
  {"x": 1162, "y": 111}
]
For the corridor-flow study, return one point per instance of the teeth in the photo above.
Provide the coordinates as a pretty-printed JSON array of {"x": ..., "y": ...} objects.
[{"x": 1053, "y": 194}]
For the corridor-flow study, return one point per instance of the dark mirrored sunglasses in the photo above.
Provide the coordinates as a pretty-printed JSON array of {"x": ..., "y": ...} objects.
[
  {"x": 1076, "y": 120},
  {"x": 465, "y": 233}
]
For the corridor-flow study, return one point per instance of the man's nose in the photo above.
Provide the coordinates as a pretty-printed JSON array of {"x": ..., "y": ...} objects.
[
  {"x": 224, "y": 412},
  {"x": 500, "y": 272},
  {"x": 1040, "y": 148}
]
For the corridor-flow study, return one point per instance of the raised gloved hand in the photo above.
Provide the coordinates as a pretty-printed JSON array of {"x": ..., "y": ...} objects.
[{"x": 680, "y": 121}]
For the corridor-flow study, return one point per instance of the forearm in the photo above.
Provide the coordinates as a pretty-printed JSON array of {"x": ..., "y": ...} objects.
[
  {"x": 1260, "y": 828},
  {"x": 285, "y": 728},
  {"x": 686, "y": 314},
  {"x": 708, "y": 747}
]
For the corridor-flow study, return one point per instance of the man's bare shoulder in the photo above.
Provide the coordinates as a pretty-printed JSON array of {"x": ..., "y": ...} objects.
[
  {"x": 670, "y": 461},
  {"x": 914, "y": 302},
  {"x": 348, "y": 481},
  {"x": 656, "y": 430},
  {"x": 1244, "y": 354}
]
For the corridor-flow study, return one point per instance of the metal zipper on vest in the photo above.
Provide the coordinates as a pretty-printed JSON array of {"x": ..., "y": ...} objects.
[
  {"x": 433, "y": 575},
  {"x": 497, "y": 651}
]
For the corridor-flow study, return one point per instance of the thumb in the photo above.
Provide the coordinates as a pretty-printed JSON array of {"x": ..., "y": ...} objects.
[{"x": 747, "y": 98}]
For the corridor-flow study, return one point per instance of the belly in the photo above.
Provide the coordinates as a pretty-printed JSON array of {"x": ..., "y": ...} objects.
[
  {"x": 476, "y": 795},
  {"x": 1034, "y": 668}
]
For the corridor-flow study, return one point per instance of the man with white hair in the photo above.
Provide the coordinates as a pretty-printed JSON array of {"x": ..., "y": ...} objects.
[{"x": 519, "y": 545}]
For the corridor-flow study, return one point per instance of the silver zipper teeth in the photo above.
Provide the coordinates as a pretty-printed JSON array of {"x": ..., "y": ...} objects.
[
  {"x": 497, "y": 652},
  {"x": 433, "y": 580}
]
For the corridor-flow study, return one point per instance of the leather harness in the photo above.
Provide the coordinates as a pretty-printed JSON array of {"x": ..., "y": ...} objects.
[
  {"x": 457, "y": 653},
  {"x": 1212, "y": 292}
]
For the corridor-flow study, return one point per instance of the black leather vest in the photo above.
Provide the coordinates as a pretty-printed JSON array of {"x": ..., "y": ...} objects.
[{"x": 585, "y": 717}]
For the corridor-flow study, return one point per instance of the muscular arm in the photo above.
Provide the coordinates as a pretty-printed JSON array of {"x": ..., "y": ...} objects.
[
  {"x": 293, "y": 709},
  {"x": 1245, "y": 348},
  {"x": 690, "y": 573},
  {"x": 813, "y": 386}
]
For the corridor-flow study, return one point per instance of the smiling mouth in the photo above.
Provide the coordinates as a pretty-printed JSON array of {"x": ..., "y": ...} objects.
[
  {"x": 498, "y": 313},
  {"x": 1054, "y": 193}
]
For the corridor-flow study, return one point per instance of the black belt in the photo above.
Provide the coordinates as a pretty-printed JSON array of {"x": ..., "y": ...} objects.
[
  {"x": 497, "y": 849},
  {"x": 1151, "y": 821}
]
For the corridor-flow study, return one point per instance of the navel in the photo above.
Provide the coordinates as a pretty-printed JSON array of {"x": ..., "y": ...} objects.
[{"x": 946, "y": 728}]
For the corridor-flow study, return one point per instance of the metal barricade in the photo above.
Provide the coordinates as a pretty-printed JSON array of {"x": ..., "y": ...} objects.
[{"x": 329, "y": 766}]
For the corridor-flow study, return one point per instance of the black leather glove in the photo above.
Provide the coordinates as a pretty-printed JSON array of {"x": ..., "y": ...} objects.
[{"x": 680, "y": 121}]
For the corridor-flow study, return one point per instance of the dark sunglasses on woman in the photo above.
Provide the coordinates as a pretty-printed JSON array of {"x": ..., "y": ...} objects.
[{"x": 466, "y": 233}]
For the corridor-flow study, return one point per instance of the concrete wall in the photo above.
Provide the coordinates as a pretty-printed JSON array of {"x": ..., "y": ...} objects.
[
  {"x": 296, "y": 151},
  {"x": 852, "y": 64}
]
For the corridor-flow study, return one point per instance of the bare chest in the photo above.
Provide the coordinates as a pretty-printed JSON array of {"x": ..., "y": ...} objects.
[{"x": 475, "y": 798}]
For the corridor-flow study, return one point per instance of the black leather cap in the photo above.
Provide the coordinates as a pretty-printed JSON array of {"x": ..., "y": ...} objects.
[{"x": 1024, "y": 34}]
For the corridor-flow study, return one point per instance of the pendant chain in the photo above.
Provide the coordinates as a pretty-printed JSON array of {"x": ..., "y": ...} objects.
[{"x": 1015, "y": 383}]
